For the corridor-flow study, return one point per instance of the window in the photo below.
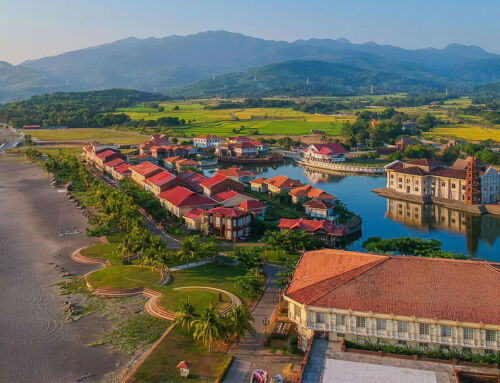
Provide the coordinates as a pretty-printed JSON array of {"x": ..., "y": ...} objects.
[
  {"x": 491, "y": 335},
  {"x": 392, "y": 175},
  {"x": 416, "y": 189},
  {"x": 453, "y": 186},
  {"x": 296, "y": 312},
  {"x": 402, "y": 326},
  {"x": 217, "y": 221},
  {"x": 445, "y": 331},
  {"x": 320, "y": 317},
  {"x": 360, "y": 322},
  {"x": 400, "y": 179},
  {"x": 424, "y": 328},
  {"x": 381, "y": 324},
  {"x": 340, "y": 320},
  {"x": 468, "y": 333},
  {"x": 422, "y": 345},
  {"x": 401, "y": 342}
]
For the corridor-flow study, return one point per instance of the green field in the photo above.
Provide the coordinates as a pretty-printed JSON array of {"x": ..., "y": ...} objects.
[
  {"x": 265, "y": 121},
  {"x": 103, "y": 250},
  {"x": 86, "y": 135}
]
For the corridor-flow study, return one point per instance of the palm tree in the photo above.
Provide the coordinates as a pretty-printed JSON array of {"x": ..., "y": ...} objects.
[
  {"x": 185, "y": 314},
  {"x": 209, "y": 327},
  {"x": 240, "y": 322},
  {"x": 188, "y": 248}
]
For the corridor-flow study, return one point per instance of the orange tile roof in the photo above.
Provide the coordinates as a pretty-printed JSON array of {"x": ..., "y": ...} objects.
[
  {"x": 311, "y": 192},
  {"x": 283, "y": 182},
  {"x": 235, "y": 172},
  {"x": 252, "y": 204},
  {"x": 445, "y": 289},
  {"x": 258, "y": 181},
  {"x": 209, "y": 182}
]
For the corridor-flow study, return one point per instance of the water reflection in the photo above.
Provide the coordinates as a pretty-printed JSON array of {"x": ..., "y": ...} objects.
[{"x": 431, "y": 217}]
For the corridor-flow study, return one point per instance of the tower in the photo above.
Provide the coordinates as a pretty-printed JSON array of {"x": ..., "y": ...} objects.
[
  {"x": 307, "y": 80},
  {"x": 473, "y": 183},
  {"x": 371, "y": 89}
]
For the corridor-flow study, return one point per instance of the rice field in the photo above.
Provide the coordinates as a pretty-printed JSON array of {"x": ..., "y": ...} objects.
[
  {"x": 86, "y": 135},
  {"x": 224, "y": 122},
  {"x": 467, "y": 132}
]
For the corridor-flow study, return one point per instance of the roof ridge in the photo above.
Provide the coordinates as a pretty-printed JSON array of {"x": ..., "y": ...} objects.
[{"x": 356, "y": 273}]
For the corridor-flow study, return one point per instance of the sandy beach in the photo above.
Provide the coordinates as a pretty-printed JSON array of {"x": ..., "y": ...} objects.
[{"x": 36, "y": 344}]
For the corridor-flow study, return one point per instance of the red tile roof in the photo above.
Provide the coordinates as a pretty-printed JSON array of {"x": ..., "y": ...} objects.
[
  {"x": 146, "y": 168},
  {"x": 232, "y": 212},
  {"x": 283, "y": 182},
  {"x": 225, "y": 195},
  {"x": 244, "y": 145},
  {"x": 258, "y": 181},
  {"x": 445, "y": 289},
  {"x": 105, "y": 153},
  {"x": 122, "y": 168},
  {"x": 329, "y": 149},
  {"x": 114, "y": 162},
  {"x": 450, "y": 173},
  {"x": 180, "y": 196},
  {"x": 187, "y": 162},
  {"x": 171, "y": 159},
  {"x": 161, "y": 178},
  {"x": 193, "y": 214},
  {"x": 425, "y": 162},
  {"x": 208, "y": 136},
  {"x": 311, "y": 226},
  {"x": 235, "y": 172},
  {"x": 210, "y": 182},
  {"x": 252, "y": 204}
]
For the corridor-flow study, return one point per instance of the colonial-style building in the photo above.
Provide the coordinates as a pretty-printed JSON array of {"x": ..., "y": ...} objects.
[
  {"x": 145, "y": 170},
  {"x": 320, "y": 209},
  {"x": 404, "y": 300},
  {"x": 206, "y": 141},
  {"x": 230, "y": 198},
  {"x": 121, "y": 171},
  {"x": 464, "y": 181},
  {"x": 280, "y": 184},
  {"x": 231, "y": 224},
  {"x": 257, "y": 208},
  {"x": 325, "y": 152},
  {"x": 323, "y": 230},
  {"x": 193, "y": 219},
  {"x": 98, "y": 156}
]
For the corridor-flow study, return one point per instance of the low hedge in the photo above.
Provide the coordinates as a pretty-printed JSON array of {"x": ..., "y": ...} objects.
[{"x": 225, "y": 370}]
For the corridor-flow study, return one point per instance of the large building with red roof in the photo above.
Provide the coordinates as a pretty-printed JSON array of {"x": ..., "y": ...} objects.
[
  {"x": 309, "y": 192},
  {"x": 144, "y": 170},
  {"x": 180, "y": 200},
  {"x": 280, "y": 184},
  {"x": 404, "y": 300},
  {"x": 325, "y": 152},
  {"x": 206, "y": 141},
  {"x": 237, "y": 173},
  {"x": 429, "y": 179}
]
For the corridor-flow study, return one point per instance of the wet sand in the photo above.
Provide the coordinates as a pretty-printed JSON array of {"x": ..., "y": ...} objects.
[{"x": 36, "y": 345}]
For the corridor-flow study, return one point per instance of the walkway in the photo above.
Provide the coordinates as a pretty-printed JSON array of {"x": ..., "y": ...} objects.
[{"x": 249, "y": 354}]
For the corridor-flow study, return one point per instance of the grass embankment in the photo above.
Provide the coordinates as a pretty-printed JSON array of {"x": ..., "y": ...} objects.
[
  {"x": 179, "y": 345},
  {"x": 104, "y": 251},
  {"x": 267, "y": 121},
  {"x": 210, "y": 275},
  {"x": 87, "y": 135}
]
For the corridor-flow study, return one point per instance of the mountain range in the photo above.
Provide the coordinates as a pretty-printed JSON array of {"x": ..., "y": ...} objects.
[{"x": 225, "y": 63}]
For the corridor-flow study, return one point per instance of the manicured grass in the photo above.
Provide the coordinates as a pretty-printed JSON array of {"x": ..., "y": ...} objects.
[
  {"x": 467, "y": 132},
  {"x": 199, "y": 298},
  {"x": 125, "y": 277},
  {"x": 179, "y": 345},
  {"x": 210, "y": 275},
  {"x": 87, "y": 134},
  {"x": 103, "y": 250}
]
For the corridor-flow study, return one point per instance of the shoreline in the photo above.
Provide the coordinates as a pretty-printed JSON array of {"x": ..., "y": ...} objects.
[{"x": 38, "y": 344}]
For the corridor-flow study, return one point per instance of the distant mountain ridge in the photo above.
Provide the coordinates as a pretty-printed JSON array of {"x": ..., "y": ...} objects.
[{"x": 161, "y": 63}]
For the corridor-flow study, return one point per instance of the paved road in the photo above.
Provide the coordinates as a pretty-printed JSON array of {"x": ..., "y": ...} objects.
[{"x": 249, "y": 354}]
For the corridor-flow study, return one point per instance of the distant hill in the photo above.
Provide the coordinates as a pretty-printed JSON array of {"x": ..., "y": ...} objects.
[
  {"x": 487, "y": 92},
  {"x": 160, "y": 63},
  {"x": 306, "y": 78}
]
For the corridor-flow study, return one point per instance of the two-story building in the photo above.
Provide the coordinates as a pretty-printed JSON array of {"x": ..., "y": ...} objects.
[
  {"x": 404, "y": 300},
  {"x": 236, "y": 173},
  {"x": 231, "y": 224},
  {"x": 320, "y": 209},
  {"x": 206, "y": 141},
  {"x": 325, "y": 153},
  {"x": 180, "y": 201},
  {"x": 280, "y": 184},
  {"x": 220, "y": 183},
  {"x": 302, "y": 193},
  {"x": 145, "y": 170}
]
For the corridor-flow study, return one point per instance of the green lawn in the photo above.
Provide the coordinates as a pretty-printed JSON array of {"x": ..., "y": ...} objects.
[
  {"x": 87, "y": 135},
  {"x": 210, "y": 275},
  {"x": 125, "y": 277},
  {"x": 103, "y": 250},
  {"x": 179, "y": 345}
]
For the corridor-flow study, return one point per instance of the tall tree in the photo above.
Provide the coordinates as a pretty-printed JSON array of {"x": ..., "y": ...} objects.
[
  {"x": 209, "y": 327},
  {"x": 185, "y": 315},
  {"x": 240, "y": 323}
]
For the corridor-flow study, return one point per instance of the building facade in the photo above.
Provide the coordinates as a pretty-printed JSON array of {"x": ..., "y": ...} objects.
[
  {"x": 231, "y": 224},
  {"x": 410, "y": 301},
  {"x": 206, "y": 141}
]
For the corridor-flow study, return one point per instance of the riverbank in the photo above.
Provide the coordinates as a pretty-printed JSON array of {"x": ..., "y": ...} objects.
[{"x": 37, "y": 344}]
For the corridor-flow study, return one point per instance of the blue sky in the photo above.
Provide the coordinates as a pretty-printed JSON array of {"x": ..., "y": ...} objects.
[{"x": 36, "y": 28}]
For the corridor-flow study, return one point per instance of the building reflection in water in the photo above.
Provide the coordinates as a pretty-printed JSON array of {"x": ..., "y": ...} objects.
[{"x": 430, "y": 217}]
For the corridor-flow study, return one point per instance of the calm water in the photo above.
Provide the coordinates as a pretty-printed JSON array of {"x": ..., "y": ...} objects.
[{"x": 460, "y": 232}]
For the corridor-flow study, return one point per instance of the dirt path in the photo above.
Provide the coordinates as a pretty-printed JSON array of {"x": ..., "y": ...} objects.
[{"x": 36, "y": 345}]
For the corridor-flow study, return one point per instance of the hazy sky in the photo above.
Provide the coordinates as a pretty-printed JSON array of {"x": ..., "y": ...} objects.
[{"x": 35, "y": 28}]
